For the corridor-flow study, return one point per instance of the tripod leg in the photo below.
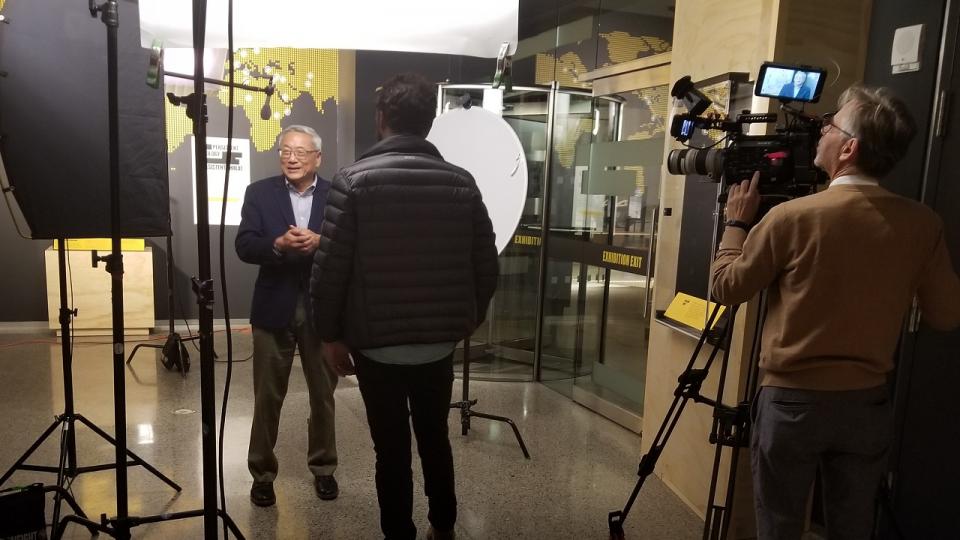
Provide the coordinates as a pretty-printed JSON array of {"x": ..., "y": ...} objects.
[
  {"x": 93, "y": 527},
  {"x": 230, "y": 524},
  {"x": 65, "y": 495},
  {"x": 731, "y": 484},
  {"x": 33, "y": 448},
  {"x": 716, "y": 514},
  {"x": 130, "y": 453},
  {"x": 649, "y": 460},
  {"x": 516, "y": 431},
  {"x": 61, "y": 470}
]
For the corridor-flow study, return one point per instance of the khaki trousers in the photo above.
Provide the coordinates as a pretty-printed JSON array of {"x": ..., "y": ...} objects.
[{"x": 273, "y": 352}]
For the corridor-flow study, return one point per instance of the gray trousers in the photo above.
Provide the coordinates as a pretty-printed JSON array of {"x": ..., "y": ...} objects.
[
  {"x": 273, "y": 352},
  {"x": 796, "y": 432}
]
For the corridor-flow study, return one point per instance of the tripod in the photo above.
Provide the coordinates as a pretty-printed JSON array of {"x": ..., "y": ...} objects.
[
  {"x": 67, "y": 467},
  {"x": 730, "y": 428},
  {"x": 174, "y": 353},
  {"x": 465, "y": 403}
]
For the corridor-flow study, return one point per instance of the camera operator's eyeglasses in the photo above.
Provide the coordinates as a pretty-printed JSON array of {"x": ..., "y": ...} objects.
[
  {"x": 828, "y": 123},
  {"x": 300, "y": 153}
]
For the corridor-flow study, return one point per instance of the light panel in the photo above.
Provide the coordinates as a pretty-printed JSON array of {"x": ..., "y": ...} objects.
[{"x": 430, "y": 26}]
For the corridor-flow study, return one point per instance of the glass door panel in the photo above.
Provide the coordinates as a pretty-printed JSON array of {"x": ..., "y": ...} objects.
[
  {"x": 502, "y": 347},
  {"x": 633, "y": 159},
  {"x": 572, "y": 316}
]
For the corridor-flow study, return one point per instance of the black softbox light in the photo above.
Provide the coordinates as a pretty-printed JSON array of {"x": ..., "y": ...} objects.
[{"x": 53, "y": 122}]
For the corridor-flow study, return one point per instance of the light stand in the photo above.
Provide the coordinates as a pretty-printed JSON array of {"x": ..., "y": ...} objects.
[
  {"x": 119, "y": 527},
  {"x": 465, "y": 403},
  {"x": 67, "y": 466},
  {"x": 203, "y": 288},
  {"x": 174, "y": 354}
]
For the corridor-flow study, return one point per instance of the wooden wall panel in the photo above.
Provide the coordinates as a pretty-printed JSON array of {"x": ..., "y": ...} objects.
[{"x": 92, "y": 296}]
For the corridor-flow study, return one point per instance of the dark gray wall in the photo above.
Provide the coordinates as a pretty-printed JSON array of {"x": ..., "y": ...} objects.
[
  {"x": 374, "y": 67},
  {"x": 923, "y": 457},
  {"x": 917, "y": 88}
]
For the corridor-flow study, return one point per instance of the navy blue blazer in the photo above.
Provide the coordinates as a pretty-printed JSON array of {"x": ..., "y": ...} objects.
[
  {"x": 266, "y": 214},
  {"x": 786, "y": 92}
]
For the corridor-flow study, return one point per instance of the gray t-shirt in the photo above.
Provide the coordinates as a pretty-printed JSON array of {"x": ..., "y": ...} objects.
[{"x": 410, "y": 355}]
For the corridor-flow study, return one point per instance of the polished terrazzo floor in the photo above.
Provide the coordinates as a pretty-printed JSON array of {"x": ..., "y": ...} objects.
[{"x": 582, "y": 465}]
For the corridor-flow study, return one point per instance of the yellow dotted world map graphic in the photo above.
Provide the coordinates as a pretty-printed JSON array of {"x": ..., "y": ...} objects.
[{"x": 296, "y": 73}]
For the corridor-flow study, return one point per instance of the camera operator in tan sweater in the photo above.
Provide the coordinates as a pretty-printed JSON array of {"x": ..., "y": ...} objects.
[{"x": 841, "y": 268}]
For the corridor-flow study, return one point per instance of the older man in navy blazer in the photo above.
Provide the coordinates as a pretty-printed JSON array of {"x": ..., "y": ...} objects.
[{"x": 279, "y": 223}]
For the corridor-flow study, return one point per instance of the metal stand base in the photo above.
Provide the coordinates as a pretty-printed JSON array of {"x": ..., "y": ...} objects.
[
  {"x": 72, "y": 470},
  {"x": 116, "y": 528},
  {"x": 67, "y": 464},
  {"x": 174, "y": 353},
  {"x": 464, "y": 405}
]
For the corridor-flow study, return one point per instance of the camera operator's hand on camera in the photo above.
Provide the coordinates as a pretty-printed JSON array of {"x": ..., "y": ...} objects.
[{"x": 743, "y": 200}]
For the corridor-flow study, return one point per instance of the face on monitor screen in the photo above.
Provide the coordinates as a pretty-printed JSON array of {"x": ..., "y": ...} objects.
[{"x": 790, "y": 83}]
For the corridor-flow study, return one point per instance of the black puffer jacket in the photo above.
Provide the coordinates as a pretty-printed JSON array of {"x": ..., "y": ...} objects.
[{"x": 407, "y": 253}]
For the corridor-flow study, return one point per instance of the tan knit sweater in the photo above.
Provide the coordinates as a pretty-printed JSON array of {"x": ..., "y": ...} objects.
[{"x": 842, "y": 268}]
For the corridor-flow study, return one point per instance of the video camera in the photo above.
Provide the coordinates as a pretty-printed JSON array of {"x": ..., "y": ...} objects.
[{"x": 784, "y": 159}]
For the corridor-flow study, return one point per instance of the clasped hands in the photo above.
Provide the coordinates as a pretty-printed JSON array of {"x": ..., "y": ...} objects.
[{"x": 298, "y": 240}]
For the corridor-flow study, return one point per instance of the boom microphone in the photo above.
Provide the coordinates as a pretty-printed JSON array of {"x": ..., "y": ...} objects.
[{"x": 265, "y": 112}]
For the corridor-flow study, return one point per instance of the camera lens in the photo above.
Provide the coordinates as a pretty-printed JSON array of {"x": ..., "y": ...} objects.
[{"x": 702, "y": 161}]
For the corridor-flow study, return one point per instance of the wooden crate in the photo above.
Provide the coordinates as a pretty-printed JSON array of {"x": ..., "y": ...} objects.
[{"x": 92, "y": 297}]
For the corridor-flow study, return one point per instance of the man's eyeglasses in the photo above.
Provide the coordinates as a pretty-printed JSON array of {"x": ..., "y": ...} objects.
[
  {"x": 300, "y": 153},
  {"x": 828, "y": 124}
]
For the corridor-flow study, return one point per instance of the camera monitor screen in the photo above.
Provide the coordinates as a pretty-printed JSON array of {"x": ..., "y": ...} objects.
[{"x": 790, "y": 83}]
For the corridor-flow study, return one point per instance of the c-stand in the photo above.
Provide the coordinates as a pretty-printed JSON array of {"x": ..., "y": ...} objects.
[
  {"x": 731, "y": 427},
  {"x": 173, "y": 353},
  {"x": 465, "y": 403}
]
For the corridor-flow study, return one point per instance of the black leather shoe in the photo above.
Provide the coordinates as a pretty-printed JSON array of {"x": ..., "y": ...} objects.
[
  {"x": 261, "y": 494},
  {"x": 327, "y": 488}
]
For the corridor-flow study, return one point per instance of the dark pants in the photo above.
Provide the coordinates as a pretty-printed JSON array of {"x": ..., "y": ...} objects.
[
  {"x": 796, "y": 432},
  {"x": 273, "y": 352},
  {"x": 387, "y": 389}
]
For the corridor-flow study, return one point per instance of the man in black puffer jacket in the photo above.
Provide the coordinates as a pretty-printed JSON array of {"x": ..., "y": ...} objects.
[{"x": 405, "y": 269}]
